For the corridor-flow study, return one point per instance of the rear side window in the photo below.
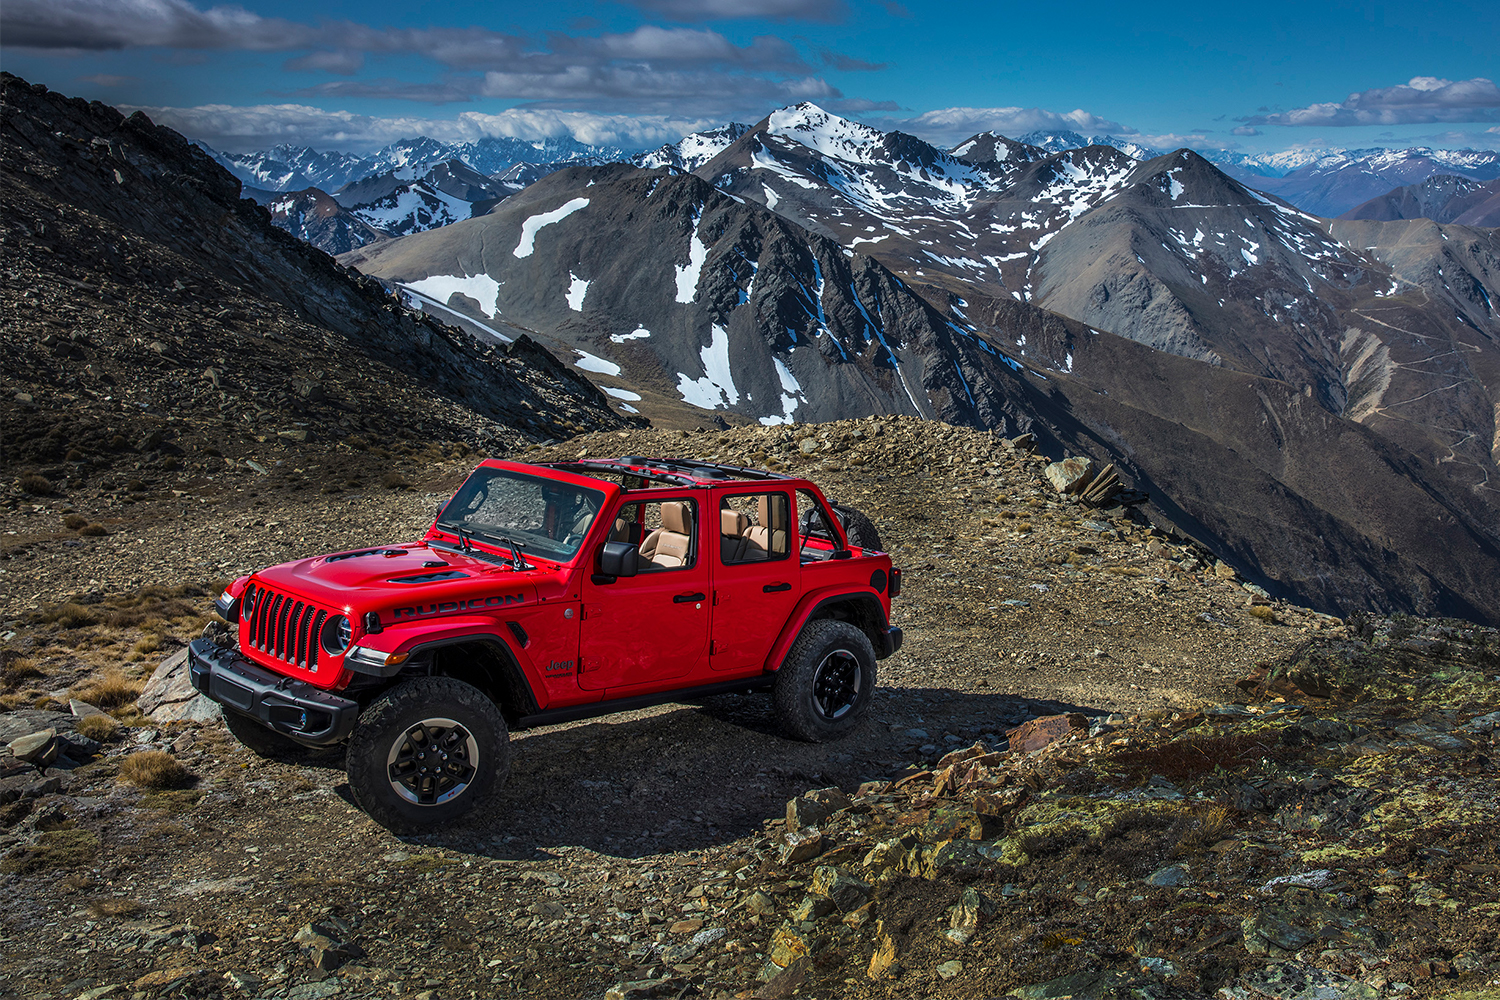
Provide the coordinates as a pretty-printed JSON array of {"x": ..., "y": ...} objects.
[{"x": 754, "y": 527}]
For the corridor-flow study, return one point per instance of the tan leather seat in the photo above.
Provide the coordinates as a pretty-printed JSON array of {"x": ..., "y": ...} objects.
[
  {"x": 670, "y": 546},
  {"x": 769, "y": 537},
  {"x": 732, "y": 541}
]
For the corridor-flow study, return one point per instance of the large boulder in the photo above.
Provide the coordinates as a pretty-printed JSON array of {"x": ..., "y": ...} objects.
[
  {"x": 1071, "y": 475},
  {"x": 169, "y": 695}
]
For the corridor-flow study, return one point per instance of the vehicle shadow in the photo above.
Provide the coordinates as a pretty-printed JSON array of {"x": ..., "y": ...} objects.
[{"x": 679, "y": 777}]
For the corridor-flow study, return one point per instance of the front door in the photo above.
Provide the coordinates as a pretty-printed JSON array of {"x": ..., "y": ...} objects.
[
  {"x": 756, "y": 577},
  {"x": 653, "y": 626}
]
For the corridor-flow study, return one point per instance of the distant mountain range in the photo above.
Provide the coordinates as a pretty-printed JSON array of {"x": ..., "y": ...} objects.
[
  {"x": 1315, "y": 398},
  {"x": 1327, "y": 183}
]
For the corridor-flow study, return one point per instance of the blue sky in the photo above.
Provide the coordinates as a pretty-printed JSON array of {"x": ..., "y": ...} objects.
[{"x": 351, "y": 75}]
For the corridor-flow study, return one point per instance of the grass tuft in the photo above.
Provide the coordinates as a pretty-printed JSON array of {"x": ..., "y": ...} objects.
[
  {"x": 113, "y": 690},
  {"x": 155, "y": 771},
  {"x": 36, "y": 485},
  {"x": 93, "y": 530},
  {"x": 74, "y": 521},
  {"x": 394, "y": 480},
  {"x": 97, "y": 727}
]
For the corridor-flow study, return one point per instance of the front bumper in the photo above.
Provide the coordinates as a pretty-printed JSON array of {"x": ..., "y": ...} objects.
[
  {"x": 890, "y": 641},
  {"x": 290, "y": 707}
]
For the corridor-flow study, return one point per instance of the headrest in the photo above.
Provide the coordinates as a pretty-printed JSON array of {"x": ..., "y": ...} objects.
[
  {"x": 677, "y": 516},
  {"x": 764, "y": 509},
  {"x": 732, "y": 522}
]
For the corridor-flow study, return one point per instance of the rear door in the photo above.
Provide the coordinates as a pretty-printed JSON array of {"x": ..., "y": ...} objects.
[
  {"x": 654, "y": 626},
  {"x": 757, "y": 579}
]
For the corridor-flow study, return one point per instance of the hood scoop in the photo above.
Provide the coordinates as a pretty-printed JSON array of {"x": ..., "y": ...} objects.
[
  {"x": 452, "y": 574},
  {"x": 365, "y": 552}
]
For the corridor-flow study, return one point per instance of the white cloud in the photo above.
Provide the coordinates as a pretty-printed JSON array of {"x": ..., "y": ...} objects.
[
  {"x": 776, "y": 10},
  {"x": 1422, "y": 99},
  {"x": 947, "y": 126},
  {"x": 232, "y": 128}
]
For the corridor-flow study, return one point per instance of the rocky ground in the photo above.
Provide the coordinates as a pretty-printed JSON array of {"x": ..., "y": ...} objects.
[{"x": 1061, "y": 790}]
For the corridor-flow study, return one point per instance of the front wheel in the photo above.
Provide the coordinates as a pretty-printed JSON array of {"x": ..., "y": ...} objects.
[
  {"x": 825, "y": 684},
  {"x": 426, "y": 752}
]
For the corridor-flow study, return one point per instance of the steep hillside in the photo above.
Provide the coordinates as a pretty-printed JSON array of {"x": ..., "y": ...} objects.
[
  {"x": 154, "y": 318},
  {"x": 687, "y": 295}
]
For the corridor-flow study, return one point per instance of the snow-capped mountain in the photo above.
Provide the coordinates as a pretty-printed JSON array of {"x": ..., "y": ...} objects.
[
  {"x": 1064, "y": 140},
  {"x": 1331, "y": 182},
  {"x": 290, "y": 168},
  {"x": 692, "y": 151},
  {"x": 293, "y": 168},
  {"x": 316, "y": 218}
]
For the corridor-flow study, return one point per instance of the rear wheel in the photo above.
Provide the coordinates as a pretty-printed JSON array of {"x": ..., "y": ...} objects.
[
  {"x": 825, "y": 684},
  {"x": 426, "y": 752}
]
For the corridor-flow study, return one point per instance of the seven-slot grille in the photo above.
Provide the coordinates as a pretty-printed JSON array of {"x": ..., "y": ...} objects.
[{"x": 287, "y": 628}]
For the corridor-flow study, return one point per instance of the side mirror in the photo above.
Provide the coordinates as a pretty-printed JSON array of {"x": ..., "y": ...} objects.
[{"x": 619, "y": 559}]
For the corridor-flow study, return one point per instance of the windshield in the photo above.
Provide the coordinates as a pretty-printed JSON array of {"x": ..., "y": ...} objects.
[{"x": 546, "y": 518}]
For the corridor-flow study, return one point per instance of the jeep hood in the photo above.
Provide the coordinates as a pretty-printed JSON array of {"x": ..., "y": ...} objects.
[{"x": 382, "y": 576}]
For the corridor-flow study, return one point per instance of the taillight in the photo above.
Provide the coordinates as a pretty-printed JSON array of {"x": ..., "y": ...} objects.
[{"x": 895, "y": 582}]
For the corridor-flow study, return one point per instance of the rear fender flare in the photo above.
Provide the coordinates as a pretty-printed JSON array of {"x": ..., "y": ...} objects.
[{"x": 811, "y": 606}]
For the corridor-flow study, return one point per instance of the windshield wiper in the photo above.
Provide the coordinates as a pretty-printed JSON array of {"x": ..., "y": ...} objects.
[
  {"x": 463, "y": 539},
  {"x": 517, "y": 558}
]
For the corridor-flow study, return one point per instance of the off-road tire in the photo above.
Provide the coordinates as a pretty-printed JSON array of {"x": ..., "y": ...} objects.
[
  {"x": 261, "y": 741},
  {"x": 860, "y": 529},
  {"x": 385, "y": 731},
  {"x": 801, "y": 695}
]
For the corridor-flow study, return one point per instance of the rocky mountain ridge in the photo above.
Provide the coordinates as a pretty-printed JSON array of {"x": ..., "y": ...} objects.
[
  {"x": 1442, "y": 198},
  {"x": 130, "y": 338}
]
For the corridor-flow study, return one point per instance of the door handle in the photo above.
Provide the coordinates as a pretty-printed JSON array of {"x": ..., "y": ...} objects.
[
  {"x": 686, "y": 598},
  {"x": 772, "y": 588}
]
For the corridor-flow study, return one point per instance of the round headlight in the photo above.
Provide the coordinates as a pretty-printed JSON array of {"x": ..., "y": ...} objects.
[
  {"x": 336, "y": 635},
  {"x": 247, "y": 602}
]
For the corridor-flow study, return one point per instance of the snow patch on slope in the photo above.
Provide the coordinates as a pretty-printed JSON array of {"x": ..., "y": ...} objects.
[
  {"x": 531, "y": 226},
  {"x": 479, "y": 287},
  {"x": 716, "y": 387},
  {"x": 577, "y": 289}
]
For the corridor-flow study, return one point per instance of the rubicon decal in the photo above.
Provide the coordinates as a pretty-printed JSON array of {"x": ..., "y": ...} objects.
[{"x": 453, "y": 607}]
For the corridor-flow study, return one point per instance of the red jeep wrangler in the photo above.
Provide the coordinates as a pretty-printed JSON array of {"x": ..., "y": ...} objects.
[{"x": 547, "y": 593}]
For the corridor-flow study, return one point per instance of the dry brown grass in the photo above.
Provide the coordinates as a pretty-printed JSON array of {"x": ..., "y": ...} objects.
[
  {"x": 75, "y": 521},
  {"x": 1264, "y": 612},
  {"x": 154, "y": 770},
  {"x": 394, "y": 481},
  {"x": 18, "y": 670},
  {"x": 114, "y": 907},
  {"x": 1204, "y": 825},
  {"x": 113, "y": 690},
  {"x": 97, "y": 727},
  {"x": 69, "y": 615},
  {"x": 93, "y": 530}
]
